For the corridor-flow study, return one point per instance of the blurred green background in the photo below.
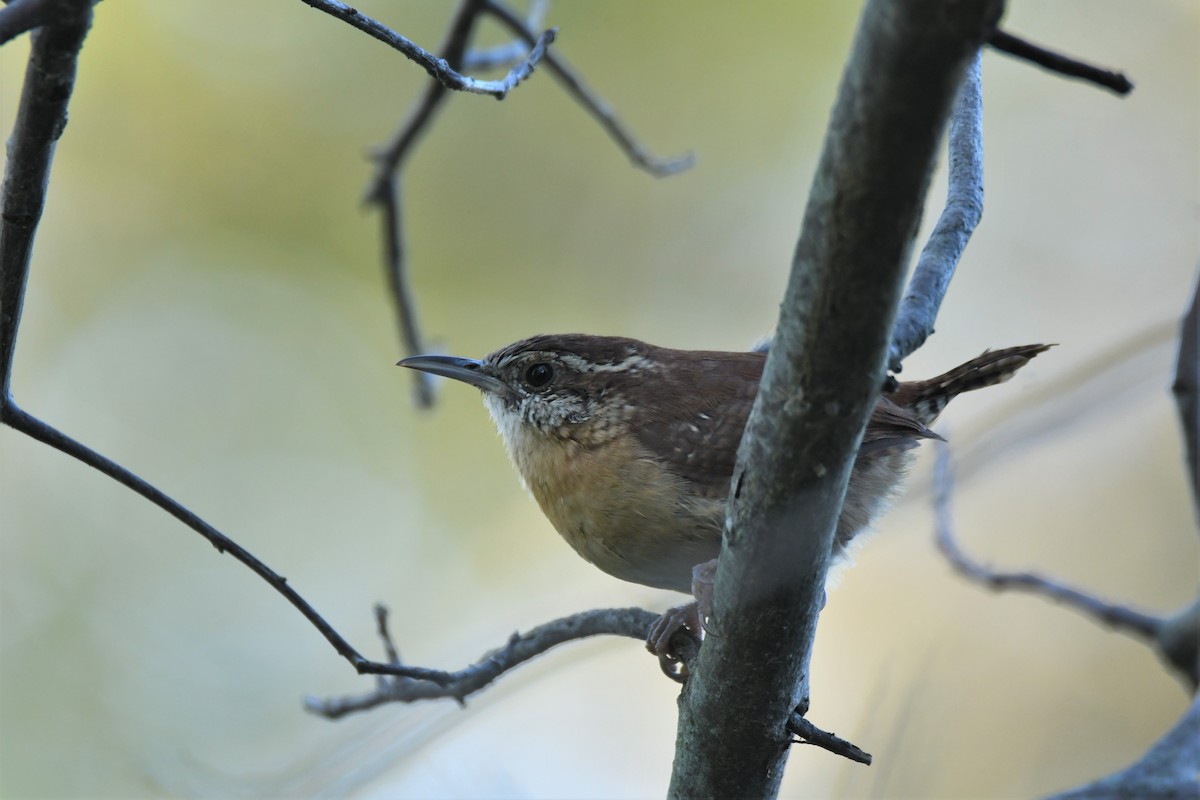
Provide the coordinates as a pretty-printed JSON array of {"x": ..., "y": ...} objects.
[{"x": 207, "y": 308}]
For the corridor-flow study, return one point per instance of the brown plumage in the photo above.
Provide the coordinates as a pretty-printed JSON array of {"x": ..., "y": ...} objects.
[{"x": 638, "y": 486}]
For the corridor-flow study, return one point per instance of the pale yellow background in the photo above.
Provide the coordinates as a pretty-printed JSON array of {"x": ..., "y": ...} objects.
[{"x": 206, "y": 307}]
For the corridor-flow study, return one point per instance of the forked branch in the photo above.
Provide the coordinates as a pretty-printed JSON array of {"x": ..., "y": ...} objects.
[
  {"x": 385, "y": 189},
  {"x": 438, "y": 68},
  {"x": 633, "y": 623}
]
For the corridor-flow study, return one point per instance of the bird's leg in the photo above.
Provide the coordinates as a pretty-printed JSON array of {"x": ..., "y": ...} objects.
[
  {"x": 704, "y": 580},
  {"x": 691, "y": 616}
]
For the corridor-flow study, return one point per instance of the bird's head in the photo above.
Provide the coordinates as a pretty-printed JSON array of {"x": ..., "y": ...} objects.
[{"x": 567, "y": 385}]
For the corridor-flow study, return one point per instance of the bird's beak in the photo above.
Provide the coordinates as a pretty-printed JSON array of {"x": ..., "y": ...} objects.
[{"x": 467, "y": 370}]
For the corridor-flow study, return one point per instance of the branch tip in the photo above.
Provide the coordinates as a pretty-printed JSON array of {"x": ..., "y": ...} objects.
[{"x": 1058, "y": 63}]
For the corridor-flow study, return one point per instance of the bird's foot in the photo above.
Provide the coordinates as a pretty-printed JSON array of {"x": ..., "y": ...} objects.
[
  {"x": 686, "y": 616},
  {"x": 690, "y": 616}
]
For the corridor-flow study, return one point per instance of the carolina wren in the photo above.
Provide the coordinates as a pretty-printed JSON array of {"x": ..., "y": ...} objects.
[{"x": 629, "y": 448}]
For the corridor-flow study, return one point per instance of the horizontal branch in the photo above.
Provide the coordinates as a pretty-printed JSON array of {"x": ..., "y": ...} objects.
[
  {"x": 630, "y": 622},
  {"x": 635, "y": 623},
  {"x": 437, "y": 67},
  {"x": 1059, "y": 63}
]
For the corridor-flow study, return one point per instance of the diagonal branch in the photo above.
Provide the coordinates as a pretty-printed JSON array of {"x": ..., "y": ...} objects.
[
  {"x": 438, "y": 68},
  {"x": 41, "y": 119},
  {"x": 633, "y": 623},
  {"x": 21, "y": 16},
  {"x": 961, "y": 214},
  {"x": 1059, "y": 63},
  {"x": 822, "y": 377},
  {"x": 630, "y": 622}
]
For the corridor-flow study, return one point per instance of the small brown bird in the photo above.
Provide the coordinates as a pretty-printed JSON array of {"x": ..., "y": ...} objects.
[{"x": 629, "y": 448}]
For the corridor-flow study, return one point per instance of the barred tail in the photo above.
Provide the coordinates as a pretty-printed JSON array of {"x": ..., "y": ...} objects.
[{"x": 926, "y": 399}]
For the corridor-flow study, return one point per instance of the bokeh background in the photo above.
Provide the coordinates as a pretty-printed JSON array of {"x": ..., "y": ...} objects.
[{"x": 207, "y": 307}]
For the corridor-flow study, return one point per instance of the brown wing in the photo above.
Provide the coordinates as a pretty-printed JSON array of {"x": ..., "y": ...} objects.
[
  {"x": 893, "y": 426},
  {"x": 696, "y": 432},
  {"x": 697, "y": 425}
]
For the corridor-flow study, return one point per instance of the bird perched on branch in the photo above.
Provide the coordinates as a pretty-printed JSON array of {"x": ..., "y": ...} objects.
[{"x": 629, "y": 448}]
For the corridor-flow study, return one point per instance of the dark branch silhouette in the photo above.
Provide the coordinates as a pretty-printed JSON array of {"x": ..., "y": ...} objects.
[
  {"x": 1058, "y": 63},
  {"x": 41, "y": 119}
]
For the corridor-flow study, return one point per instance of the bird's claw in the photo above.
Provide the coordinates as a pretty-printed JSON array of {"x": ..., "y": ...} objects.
[{"x": 690, "y": 616}]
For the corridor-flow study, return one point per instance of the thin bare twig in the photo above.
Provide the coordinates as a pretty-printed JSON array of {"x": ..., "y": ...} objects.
[
  {"x": 385, "y": 188},
  {"x": 808, "y": 733},
  {"x": 386, "y": 192},
  {"x": 509, "y": 52},
  {"x": 634, "y": 623},
  {"x": 385, "y": 636},
  {"x": 1059, "y": 63},
  {"x": 591, "y": 102},
  {"x": 391, "y": 217},
  {"x": 1143, "y": 626},
  {"x": 964, "y": 208},
  {"x": 438, "y": 68},
  {"x": 390, "y": 158}
]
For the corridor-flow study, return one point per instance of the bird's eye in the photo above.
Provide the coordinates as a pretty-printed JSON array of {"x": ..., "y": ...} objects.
[{"x": 539, "y": 374}]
